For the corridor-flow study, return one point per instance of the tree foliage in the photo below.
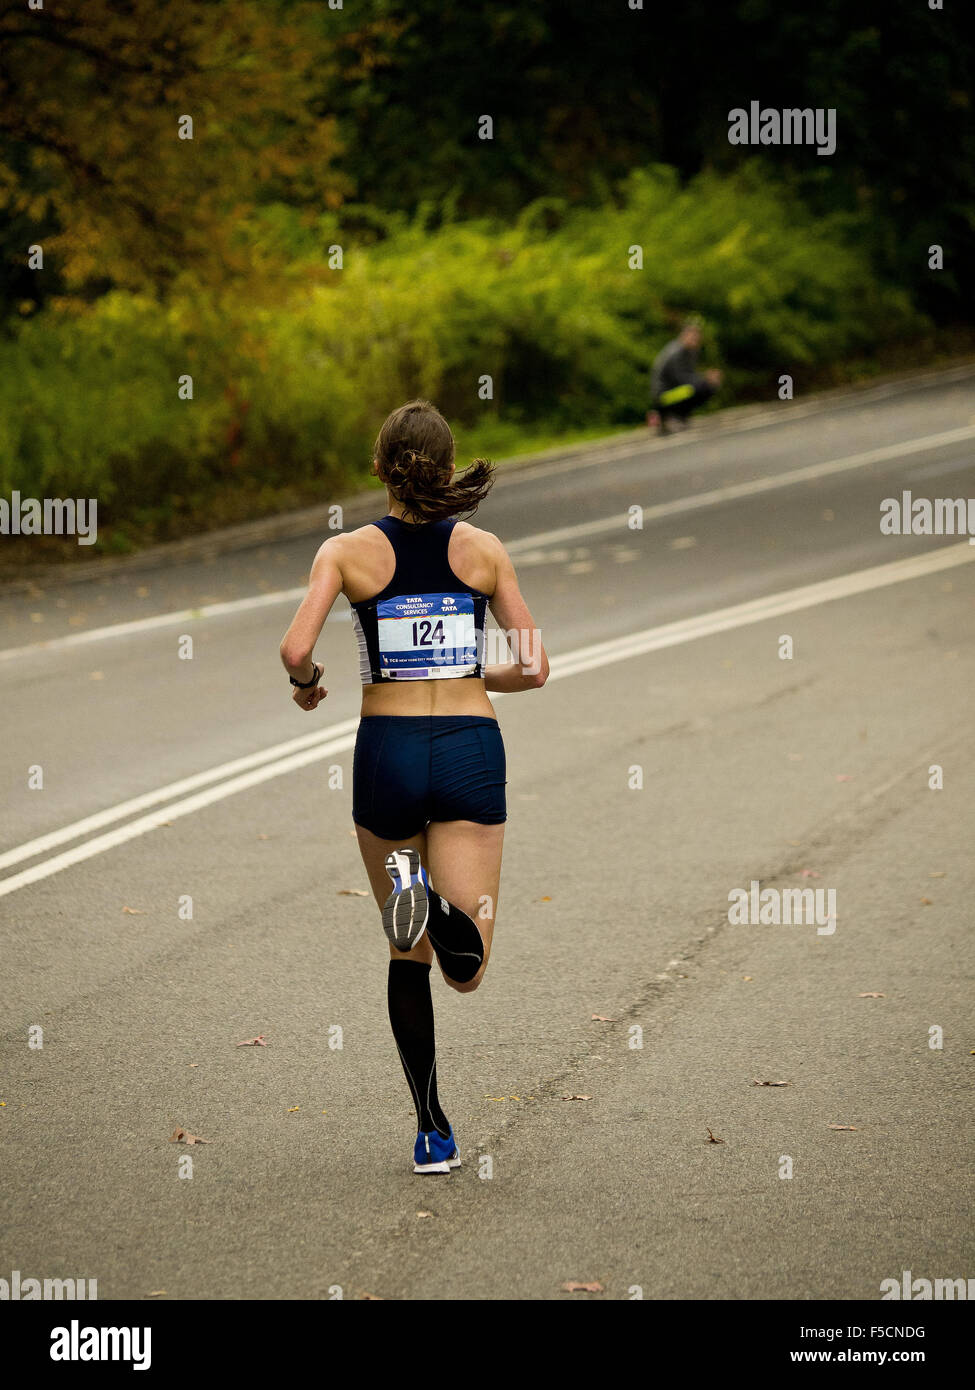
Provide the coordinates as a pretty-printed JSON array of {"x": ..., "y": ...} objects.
[
  {"x": 552, "y": 308},
  {"x": 582, "y": 92},
  {"x": 93, "y": 167},
  {"x": 356, "y": 129},
  {"x": 376, "y": 104}
]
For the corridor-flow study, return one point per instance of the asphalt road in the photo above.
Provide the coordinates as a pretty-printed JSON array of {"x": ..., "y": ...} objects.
[{"x": 811, "y": 772}]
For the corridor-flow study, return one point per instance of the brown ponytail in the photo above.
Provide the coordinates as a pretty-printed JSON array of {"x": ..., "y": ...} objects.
[{"x": 414, "y": 450}]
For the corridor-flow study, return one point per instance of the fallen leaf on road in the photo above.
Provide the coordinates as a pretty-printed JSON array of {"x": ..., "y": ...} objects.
[
  {"x": 871, "y": 995},
  {"x": 421, "y": 1214},
  {"x": 134, "y": 911},
  {"x": 573, "y": 1286},
  {"x": 841, "y": 1126},
  {"x": 264, "y": 837},
  {"x": 927, "y": 901},
  {"x": 372, "y": 1297},
  {"x": 352, "y": 893},
  {"x": 183, "y": 1136},
  {"x": 155, "y": 1293},
  {"x": 259, "y": 1041},
  {"x": 809, "y": 873},
  {"x": 293, "y": 1108},
  {"x": 577, "y": 1097},
  {"x": 601, "y": 1018},
  {"x": 748, "y": 977},
  {"x": 940, "y": 874},
  {"x": 543, "y": 900},
  {"x": 771, "y": 1083},
  {"x": 712, "y": 1140},
  {"x": 495, "y": 1097},
  {"x": 194, "y": 1064}
]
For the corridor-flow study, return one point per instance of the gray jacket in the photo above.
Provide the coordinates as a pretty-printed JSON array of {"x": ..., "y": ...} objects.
[{"x": 673, "y": 366}]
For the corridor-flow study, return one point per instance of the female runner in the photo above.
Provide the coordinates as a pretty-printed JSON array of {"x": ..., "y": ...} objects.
[{"x": 428, "y": 798}]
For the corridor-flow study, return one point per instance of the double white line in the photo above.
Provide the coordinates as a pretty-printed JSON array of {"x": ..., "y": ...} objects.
[
  {"x": 530, "y": 550},
  {"x": 172, "y": 801}
]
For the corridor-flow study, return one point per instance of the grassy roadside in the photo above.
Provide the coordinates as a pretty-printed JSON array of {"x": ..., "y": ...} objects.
[
  {"x": 504, "y": 441},
  {"x": 222, "y": 403},
  {"x": 948, "y": 348}
]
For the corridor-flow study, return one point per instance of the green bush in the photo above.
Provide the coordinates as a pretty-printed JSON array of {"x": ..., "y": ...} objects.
[{"x": 288, "y": 396}]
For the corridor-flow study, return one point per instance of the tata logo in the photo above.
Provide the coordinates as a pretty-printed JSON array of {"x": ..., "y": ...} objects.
[{"x": 448, "y": 602}]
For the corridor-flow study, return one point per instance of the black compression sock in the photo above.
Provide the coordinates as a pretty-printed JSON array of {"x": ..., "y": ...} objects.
[
  {"x": 411, "y": 1017},
  {"x": 455, "y": 938}
]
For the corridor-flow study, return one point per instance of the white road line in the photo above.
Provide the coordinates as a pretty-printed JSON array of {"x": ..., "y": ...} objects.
[
  {"x": 182, "y": 615},
  {"x": 733, "y": 491},
  {"x": 757, "y": 610},
  {"x": 100, "y": 819},
  {"x": 622, "y": 448},
  {"x": 178, "y": 809},
  {"x": 340, "y": 738},
  {"x": 526, "y": 546}
]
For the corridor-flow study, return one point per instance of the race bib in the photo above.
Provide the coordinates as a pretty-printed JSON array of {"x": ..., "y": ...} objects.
[{"x": 426, "y": 636}]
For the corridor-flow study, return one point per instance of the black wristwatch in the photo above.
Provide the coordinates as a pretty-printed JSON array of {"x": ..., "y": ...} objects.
[{"x": 307, "y": 685}]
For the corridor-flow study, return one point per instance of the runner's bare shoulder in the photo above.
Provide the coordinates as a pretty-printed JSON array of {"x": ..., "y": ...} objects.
[
  {"x": 475, "y": 555},
  {"x": 362, "y": 543},
  {"x": 360, "y": 557}
]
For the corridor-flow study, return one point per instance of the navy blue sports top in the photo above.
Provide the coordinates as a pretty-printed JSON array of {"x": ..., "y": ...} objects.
[{"x": 426, "y": 624}]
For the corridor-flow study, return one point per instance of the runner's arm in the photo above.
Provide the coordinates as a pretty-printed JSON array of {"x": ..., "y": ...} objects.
[
  {"x": 324, "y": 587},
  {"x": 529, "y": 669}
]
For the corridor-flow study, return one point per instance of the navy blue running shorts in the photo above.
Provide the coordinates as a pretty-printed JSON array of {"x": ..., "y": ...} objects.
[{"x": 409, "y": 769}]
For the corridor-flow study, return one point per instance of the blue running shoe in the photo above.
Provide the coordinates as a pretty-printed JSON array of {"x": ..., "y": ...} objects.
[
  {"x": 432, "y": 1153},
  {"x": 408, "y": 906}
]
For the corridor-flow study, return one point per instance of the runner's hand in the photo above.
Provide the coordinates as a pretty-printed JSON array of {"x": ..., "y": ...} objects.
[{"x": 309, "y": 699}]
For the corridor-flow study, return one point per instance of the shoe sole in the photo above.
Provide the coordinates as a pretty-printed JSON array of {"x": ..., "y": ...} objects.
[
  {"x": 407, "y": 908},
  {"x": 443, "y": 1167}
]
